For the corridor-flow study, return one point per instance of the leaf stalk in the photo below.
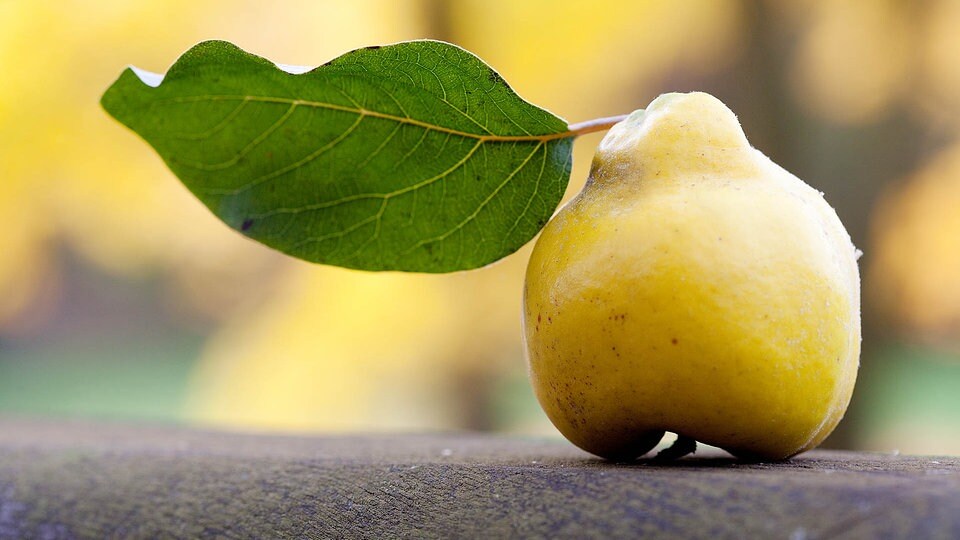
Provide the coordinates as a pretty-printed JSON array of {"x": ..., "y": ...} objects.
[{"x": 592, "y": 126}]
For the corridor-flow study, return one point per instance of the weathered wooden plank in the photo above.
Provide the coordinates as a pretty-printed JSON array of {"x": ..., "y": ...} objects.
[{"x": 63, "y": 480}]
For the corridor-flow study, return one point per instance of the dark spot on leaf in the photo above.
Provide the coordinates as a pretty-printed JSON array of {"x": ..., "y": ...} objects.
[
  {"x": 495, "y": 77},
  {"x": 372, "y": 47},
  {"x": 247, "y": 223},
  {"x": 674, "y": 341}
]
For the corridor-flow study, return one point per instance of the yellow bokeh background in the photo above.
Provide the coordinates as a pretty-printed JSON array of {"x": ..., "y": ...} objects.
[{"x": 292, "y": 346}]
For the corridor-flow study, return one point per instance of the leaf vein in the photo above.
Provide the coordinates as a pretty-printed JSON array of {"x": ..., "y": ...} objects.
[
  {"x": 480, "y": 207},
  {"x": 528, "y": 137},
  {"x": 217, "y": 127},
  {"x": 367, "y": 196},
  {"x": 380, "y": 148},
  {"x": 293, "y": 166},
  {"x": 246, "y": 149},
  {"x": 533, "y": 195}
]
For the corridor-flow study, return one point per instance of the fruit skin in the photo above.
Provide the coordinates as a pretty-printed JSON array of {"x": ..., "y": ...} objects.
[{"x": 693, "y": 286}]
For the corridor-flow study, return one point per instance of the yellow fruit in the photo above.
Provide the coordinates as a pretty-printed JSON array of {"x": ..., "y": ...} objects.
[{"x": 693, "y": 286}]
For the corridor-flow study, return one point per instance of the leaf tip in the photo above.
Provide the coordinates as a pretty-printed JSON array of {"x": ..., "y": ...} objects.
[{"x": 115, "y": 99}]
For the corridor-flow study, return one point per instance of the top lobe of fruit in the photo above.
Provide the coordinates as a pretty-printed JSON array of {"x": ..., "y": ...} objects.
[{"x": 676, "y": 134}]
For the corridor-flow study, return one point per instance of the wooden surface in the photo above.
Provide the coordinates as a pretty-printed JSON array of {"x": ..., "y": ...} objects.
[{"x": 64, "y": 480}]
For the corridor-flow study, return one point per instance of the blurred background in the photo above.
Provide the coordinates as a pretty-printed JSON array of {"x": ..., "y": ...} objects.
[{"x": 121, "y": 297}]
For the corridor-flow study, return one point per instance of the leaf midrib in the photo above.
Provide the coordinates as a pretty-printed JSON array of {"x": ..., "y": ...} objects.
[{"x": 376, "y": 114}]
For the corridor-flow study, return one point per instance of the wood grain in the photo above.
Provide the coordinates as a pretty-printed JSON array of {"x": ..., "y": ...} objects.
[{"x": 79, "y": 480}]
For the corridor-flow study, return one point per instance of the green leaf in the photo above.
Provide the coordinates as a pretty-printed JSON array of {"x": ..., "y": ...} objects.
[{"x": 415, "y": 156}]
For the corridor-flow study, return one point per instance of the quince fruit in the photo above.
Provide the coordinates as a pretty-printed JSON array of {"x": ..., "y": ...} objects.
[{"x": 693, "y": 286}]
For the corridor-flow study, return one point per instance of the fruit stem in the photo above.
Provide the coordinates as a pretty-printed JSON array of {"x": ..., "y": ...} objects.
[{"x": 597, "y": 124}]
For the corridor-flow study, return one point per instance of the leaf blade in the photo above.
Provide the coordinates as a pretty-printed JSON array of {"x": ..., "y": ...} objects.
[{"x": 415, "y": 156}]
